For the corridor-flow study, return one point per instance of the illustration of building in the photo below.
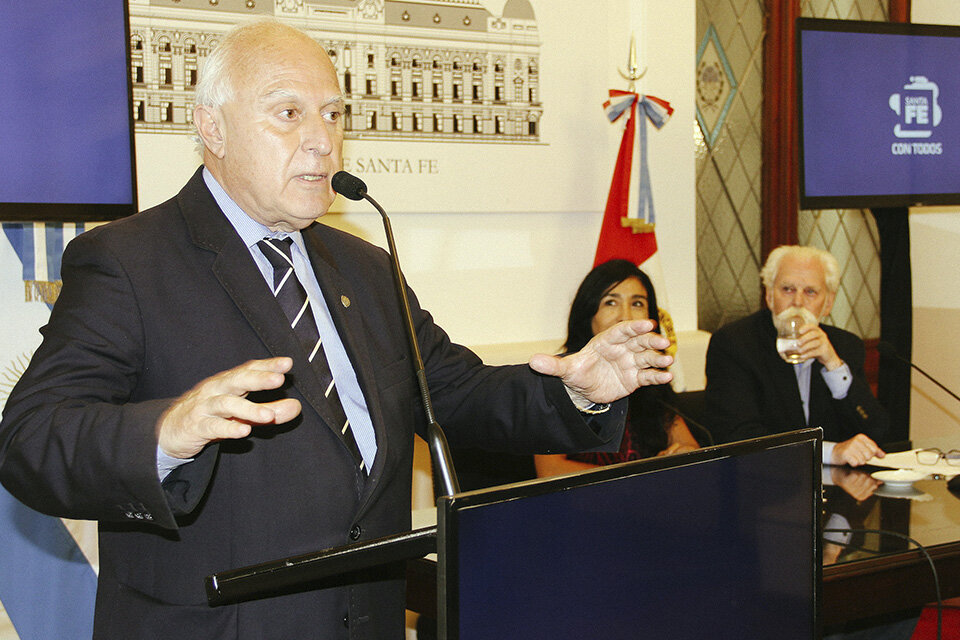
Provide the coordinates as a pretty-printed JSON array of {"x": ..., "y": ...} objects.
[{"x": 441, "y": 70}]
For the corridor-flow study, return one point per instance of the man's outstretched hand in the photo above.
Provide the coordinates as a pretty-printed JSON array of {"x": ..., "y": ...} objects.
[{"x": 613, "y": 364}]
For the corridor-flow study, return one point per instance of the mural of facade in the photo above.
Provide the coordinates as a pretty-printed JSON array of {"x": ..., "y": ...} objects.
[{"x": 441, "y": 70}]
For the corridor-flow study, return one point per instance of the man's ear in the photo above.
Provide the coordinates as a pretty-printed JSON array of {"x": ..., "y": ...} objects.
[
  {"x": 208, "y": 121},
  {"x": 768, "y": 297}
]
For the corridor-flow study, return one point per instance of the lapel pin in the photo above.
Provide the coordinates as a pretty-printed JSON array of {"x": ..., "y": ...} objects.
[{"x": 345, "y": 301}]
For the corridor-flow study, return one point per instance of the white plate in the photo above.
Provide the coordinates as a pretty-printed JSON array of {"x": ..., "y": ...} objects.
[
  {"x": 903, "y": 491},
  {"x": 898, "y": 477}
]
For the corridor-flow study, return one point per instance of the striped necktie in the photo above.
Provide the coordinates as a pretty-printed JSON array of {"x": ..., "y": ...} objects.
[{"x": 296, "y": 305}]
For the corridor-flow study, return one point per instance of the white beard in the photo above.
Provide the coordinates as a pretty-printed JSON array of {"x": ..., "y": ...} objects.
[{"x": 780, "y": 319}]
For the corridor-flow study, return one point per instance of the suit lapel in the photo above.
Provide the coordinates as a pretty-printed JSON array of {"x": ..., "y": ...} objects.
[{"x": 351, "y": 328}]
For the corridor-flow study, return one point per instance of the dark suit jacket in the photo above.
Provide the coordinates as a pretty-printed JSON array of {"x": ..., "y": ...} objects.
[
  {"x": 156, "y": 302},
  {"x": 752, "y": 392}
]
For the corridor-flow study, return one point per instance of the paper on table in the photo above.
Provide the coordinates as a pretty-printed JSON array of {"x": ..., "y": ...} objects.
[{"x": 908, "y": 460}]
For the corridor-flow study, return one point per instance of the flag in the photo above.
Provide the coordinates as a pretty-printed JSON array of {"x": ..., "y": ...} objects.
[
  {"x": 622, "y": 235},
  {"x": 40, "y": 246},
  {"x": 47, "y": 584}
]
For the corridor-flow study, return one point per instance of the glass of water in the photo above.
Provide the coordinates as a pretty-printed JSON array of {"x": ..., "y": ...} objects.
[{"x": 788, "y": 339}]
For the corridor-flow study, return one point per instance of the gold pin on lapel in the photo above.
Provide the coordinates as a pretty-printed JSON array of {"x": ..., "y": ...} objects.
[{"x": 345, "y": 301}]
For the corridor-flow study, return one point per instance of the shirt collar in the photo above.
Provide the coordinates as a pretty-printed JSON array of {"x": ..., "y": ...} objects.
[{"x": 250, "y": 231}]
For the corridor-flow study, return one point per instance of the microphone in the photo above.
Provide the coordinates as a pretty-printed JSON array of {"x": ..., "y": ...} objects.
[
  {"x": 352, "y": 187},
  {"x": 349, "y": 186},
  {"x": 887, "y": 349}
]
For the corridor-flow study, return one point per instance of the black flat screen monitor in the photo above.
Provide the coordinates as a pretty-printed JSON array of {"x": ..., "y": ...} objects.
[
  {"x": 879, "y": 111},
  {"x": 66, "y": 123},
  {"x": 721, "y": 543}
]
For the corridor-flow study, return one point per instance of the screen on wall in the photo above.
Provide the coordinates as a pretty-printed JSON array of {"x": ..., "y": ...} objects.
[
  {"x": 879, "y": 114},
  {"x": 66, "y": 137}
]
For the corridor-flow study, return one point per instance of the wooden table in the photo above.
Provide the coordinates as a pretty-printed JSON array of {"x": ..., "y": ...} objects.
[{"x": 890, "y": 575}]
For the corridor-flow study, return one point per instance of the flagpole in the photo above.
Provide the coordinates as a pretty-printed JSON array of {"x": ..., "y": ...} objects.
[{"x": 631, "y": 75}]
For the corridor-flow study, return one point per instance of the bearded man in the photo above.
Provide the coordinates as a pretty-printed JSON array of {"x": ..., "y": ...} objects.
[{"x": 752, "y": 391}]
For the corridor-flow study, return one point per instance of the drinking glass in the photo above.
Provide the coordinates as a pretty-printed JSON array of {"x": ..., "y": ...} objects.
[{"x": 788, "y": 339}]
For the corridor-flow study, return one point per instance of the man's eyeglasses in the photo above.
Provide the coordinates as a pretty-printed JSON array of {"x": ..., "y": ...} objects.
[{"x": 933, "y": 456}]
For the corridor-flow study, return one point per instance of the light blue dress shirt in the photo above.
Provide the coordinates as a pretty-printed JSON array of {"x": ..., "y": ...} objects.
[{"x": 838, "y": 381}]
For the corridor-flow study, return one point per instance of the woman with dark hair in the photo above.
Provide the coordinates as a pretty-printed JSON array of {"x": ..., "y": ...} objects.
[{"x": 613, "y": 292}]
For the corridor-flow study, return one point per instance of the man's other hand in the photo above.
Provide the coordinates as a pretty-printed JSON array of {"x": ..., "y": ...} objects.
[
  {"x": 855, "y": 451},
  {"x": 217, "y": 408},
  {"x": 814, "y": 343}
]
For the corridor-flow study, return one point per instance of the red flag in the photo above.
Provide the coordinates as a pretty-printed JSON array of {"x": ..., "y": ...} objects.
[{"x": 617, "y": 240}]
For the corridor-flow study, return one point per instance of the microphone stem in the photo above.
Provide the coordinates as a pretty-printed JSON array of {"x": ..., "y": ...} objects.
[
  {"x": 888, "y": 349},
  {"x": 934, "y": 381},
  {"x": 443, "y": 471}
]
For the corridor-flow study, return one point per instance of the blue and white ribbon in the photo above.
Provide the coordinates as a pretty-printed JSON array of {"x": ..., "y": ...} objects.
[{"x": 658, "y": 111}]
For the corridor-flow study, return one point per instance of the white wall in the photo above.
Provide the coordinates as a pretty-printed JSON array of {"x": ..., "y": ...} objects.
[
  {"x": 935, "y": 257},
  {"x": 507, "y": 278}
]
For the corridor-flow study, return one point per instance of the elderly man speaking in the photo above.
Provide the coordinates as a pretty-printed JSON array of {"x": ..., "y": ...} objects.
[
  {"x": 753, "y": 391},
  {"x": 225, "y": 381}
]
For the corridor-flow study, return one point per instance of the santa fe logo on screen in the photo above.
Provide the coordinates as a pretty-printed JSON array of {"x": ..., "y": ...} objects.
[{"x": 919, "y": 113}]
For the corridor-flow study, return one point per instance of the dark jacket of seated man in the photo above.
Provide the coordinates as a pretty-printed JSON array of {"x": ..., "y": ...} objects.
[{"x": 752, "y": 392}]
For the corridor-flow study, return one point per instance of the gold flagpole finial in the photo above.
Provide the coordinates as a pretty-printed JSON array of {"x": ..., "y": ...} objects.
[{"x": 633, "y": 72}]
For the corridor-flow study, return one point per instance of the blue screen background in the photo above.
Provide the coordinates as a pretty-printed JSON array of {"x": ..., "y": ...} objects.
[{"x": 848, "y": 126}]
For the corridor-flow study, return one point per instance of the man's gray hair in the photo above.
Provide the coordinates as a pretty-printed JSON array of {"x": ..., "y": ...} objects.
[
  {"x": 238, "y": 46},
  {"x": 214, "y": 88},
  {"x": 831, "y": 268}
]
